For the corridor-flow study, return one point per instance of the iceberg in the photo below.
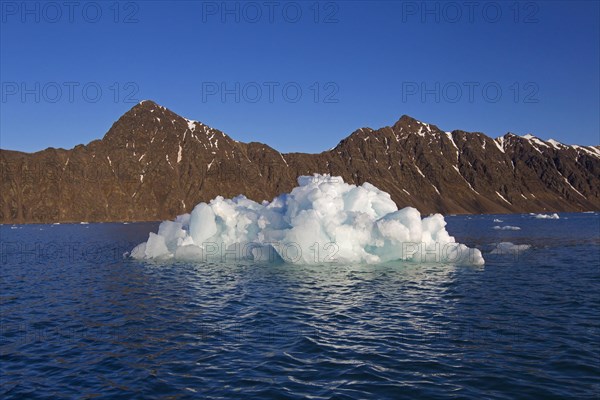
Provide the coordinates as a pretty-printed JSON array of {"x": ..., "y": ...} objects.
[
  {"x": 506, "y": 228},
  {"x": 546, "y": 216},
  {"x": 322, "y": 220},
  {"x": 509, "y": 248}
]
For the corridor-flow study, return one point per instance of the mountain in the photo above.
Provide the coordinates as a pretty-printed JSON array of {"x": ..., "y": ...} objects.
[{"x": 154, "y": 164}]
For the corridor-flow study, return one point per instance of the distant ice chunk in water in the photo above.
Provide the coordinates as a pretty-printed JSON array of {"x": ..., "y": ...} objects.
[
  {"x": 497, "y": 220},
  {"x": 323, "y": 220},
  {"x": 546, "y": 216},
  {"x": 507, "y": 228},
  {"x": 509, "y": 248}
]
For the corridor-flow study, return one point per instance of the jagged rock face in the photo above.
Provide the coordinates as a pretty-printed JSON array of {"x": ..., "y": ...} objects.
[{"x": 153, "y": 164}]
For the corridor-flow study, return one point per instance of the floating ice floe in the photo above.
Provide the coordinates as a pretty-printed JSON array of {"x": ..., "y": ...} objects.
[
  {"x": 507, "y": 228},
  {"x": 322, "y": 220},
  {"x": 509, "y": 248},
  {"x": 497, "y": 220},
  {"x": 546, "y": 216}
]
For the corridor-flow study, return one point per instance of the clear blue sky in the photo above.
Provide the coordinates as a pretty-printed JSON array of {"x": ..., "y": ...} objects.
[{"x": 374, "y": 60}]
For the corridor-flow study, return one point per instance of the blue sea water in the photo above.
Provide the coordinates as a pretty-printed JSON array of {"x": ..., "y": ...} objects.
[{"x": 79, "y": 320}]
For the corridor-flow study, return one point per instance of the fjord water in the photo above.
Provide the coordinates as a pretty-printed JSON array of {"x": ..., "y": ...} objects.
[{"x": 78, "y": 320}]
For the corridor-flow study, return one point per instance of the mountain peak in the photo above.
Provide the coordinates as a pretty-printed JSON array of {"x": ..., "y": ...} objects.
[
  {"x": 148, "y": 104},
  {"x": 142, "y": 122},
  {"x": 407, "y": 123},
  {"x": 407, "y": 119}
]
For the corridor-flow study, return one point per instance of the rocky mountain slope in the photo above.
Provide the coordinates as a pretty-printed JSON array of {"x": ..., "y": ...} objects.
[{"x": 153, "y": 164}]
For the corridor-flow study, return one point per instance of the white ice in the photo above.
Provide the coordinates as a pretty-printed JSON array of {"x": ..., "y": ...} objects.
[
  {"x": 509, "y": 248},
  {"x": 547, "y": 216},
  {"x": 507, "y": 228},
  {"x": 323, "y": 220}
]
